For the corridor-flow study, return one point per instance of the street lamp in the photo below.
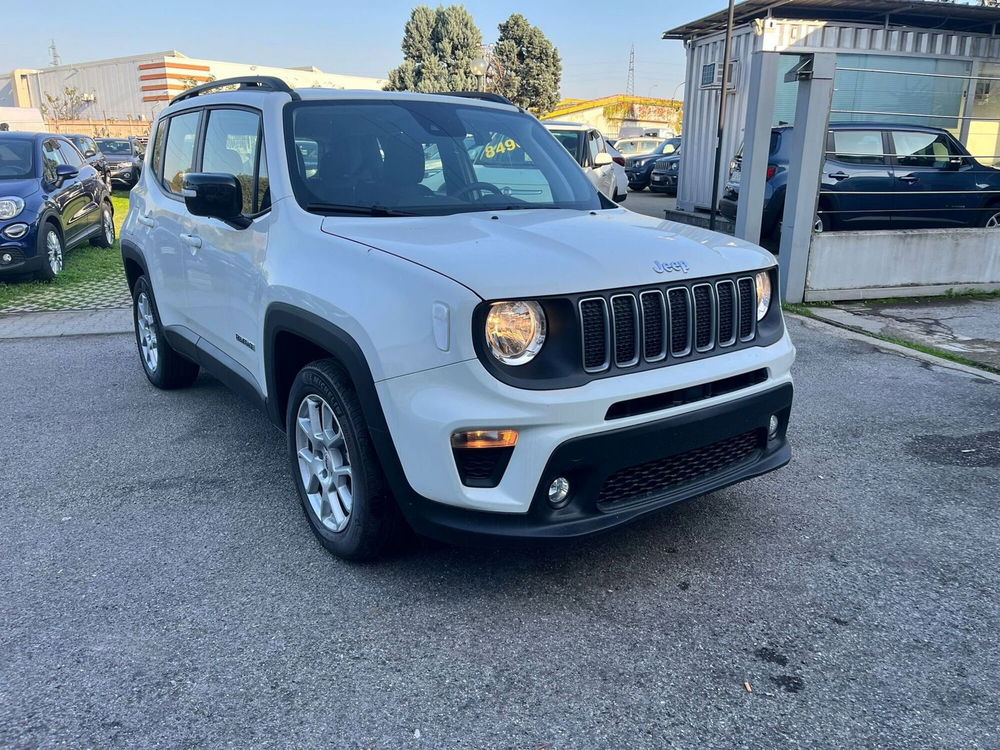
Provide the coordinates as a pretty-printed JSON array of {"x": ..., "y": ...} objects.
[{"x": 479, "y": 68}]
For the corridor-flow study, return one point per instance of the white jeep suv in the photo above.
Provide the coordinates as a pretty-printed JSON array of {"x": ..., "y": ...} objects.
[{"x": 474, "y": 351}]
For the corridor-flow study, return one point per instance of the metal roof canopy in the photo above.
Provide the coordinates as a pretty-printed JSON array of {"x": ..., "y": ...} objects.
[{"x": 926, "y": 14}]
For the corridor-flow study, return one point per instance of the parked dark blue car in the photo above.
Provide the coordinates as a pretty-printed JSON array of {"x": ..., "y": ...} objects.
[
  {"x": 639, "y": 168},
  {"x": 882, "y": 176},
  {"x": 51, "y": 200}
]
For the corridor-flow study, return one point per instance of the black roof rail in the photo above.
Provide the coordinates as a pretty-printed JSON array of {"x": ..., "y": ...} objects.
[
  {"x": 486, "y": 96},
  {"x": 243, "y": 83}
]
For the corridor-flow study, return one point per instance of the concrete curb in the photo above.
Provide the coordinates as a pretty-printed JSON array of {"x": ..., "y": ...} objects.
[
  {"x": 846, "y": 332},
  {"x": 65, "y": 323}
]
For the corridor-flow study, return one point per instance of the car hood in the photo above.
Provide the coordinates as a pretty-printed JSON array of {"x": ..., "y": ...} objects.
[
  {"x": 19, "y": 188},
  {"x": 542, "y": 252}
]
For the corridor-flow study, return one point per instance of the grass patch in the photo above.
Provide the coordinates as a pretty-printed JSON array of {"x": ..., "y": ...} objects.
[{"x": 85, "y": 263}]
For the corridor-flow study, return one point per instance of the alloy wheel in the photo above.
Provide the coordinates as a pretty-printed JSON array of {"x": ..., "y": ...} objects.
[
  {"x": 109, "y": 227},
  {"x": 994, "y": 221},
  {"x": 324, "y": 463},
  {"x": 145, "y": 323},
  {"x": 53, "y": 246}
]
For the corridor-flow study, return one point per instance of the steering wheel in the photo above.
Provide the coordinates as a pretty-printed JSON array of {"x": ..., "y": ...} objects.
[{"x": 477, "y": 186}]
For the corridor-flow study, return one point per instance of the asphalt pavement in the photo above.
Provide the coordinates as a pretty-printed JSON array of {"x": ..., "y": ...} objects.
[{"x": 159, "y": 586}]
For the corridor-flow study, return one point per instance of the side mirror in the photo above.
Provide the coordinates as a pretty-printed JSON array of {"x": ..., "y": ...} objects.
[
  {"x": 65, "y": 172},
  {"x": 216, "y": 195},
  {"x": 602, "y": 160},
  {"x": 89, "y": 153},
  {"x": 955, "y": 163}
]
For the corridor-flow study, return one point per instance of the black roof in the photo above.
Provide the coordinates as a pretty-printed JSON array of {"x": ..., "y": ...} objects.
[{"x": 926, "y": 14}]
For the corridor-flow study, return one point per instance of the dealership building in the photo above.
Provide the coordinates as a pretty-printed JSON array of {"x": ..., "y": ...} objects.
[{"x": 137, "y": 87}]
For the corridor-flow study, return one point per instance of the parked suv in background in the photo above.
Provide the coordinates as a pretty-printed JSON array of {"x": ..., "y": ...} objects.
[
  {"x": 665, "y": 174},
  {"x": 882, "y": 176},
  {"x": 51, "y": 200},
  {"x": 124, "y": 157},
  {"x": 92, "y": 155},
  {"x": 478, "y": 363},
  {"x": 590, "y": 149},
  {"x": 639, "y": 169}
]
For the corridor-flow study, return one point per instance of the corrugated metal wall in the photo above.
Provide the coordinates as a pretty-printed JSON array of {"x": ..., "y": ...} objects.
[{"x": 780, "y": 35}]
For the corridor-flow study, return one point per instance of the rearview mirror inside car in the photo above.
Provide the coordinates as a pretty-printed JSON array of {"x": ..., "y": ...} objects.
[{"x": 215, "y": 195}]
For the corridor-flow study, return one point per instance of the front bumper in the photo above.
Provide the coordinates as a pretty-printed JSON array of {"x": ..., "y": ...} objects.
[
  {"x": 423, "y": 409},
  {"x": 663, "y": 181},
  {"x": 23, "y": 251},
  {"x": 593, "y": 463}
]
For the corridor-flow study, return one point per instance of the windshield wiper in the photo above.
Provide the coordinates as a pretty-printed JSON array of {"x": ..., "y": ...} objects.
[{"x": 346, "y": 208}]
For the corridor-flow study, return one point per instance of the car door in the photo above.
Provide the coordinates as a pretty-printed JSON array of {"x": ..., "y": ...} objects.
[
  {"x": 166, "y": 221},
  {"x": 68, "y": 194},
  {"x": 224, "y": 284},
  {"x": 89, "y": 181},
  {"x": 935, "y": 181},
  {"x": 856, "y": 187}
]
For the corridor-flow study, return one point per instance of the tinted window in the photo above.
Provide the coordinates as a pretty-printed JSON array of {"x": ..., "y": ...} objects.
[
  {"x": 858, "y": 146},
  {"x": 178, "y": 158},
  {"x": 115, "y": 146},
  {"x": 231, "y": 141},
  {"x": 922, "y": 149},
  {"x": 51, "y": 158},
  {"x": 16, "y": 159},
  {"x": 161, "y": 137},
  {"x": 70, "y": 155},
  {"x": 379, "y": 154}
]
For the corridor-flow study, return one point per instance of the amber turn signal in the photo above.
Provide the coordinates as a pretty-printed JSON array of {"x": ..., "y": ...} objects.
[{"x": 484, "y": 439}]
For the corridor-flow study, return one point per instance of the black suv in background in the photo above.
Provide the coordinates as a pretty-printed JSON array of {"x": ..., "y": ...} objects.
[
  {"x": 882, "y": 176},
  {"x": 639, "y": 168},
  {"x": 92, "y": 155},
  {"x": 124, "y": 157}
]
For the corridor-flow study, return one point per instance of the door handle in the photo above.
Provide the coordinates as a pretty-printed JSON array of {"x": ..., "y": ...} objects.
[
  {"x": 838, "y": 175},
  {"x": 193, "y": 240},
  {"x": 146, "y": 220},
  {"x": 909, "y": 178}
]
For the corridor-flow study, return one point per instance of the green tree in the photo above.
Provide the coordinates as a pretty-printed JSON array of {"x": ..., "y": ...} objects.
[
  {"x": 438, "y": 49},
  {"x": 526, "y": 67},
  {"x": 66, "y": 106}
]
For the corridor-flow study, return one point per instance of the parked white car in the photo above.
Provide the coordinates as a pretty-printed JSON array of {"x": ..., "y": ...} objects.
[
  {"x": 479, "y": 348},
  {"x": 590, "y": 149}
]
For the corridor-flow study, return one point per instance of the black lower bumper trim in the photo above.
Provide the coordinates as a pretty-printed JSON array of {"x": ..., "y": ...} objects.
[{"x": 589, "y": 461}]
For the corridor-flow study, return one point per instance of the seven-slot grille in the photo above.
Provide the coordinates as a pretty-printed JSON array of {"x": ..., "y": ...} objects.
[{"x": 666, "y": 323}]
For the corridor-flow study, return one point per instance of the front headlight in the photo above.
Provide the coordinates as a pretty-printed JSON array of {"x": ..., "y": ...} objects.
[
  {"x": 515, "y": 331},
  {"x": 10, "y": 207},
  {"x": 763, "y": 281}
]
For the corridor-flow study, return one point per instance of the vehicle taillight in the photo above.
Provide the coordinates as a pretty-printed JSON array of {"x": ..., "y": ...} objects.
[
  {"x": 771, "y": 171},
  {"x": 619, "y": 160}
]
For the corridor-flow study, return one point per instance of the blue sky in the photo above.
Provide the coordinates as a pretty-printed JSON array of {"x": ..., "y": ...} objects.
[{"x": 360, "y": 38}]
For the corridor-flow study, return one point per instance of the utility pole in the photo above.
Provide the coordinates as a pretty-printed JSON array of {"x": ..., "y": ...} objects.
[
  {"x": 723, "y": 95},
  {"x": 630, "y": 82},
  {"x": 54, "y": 59}
]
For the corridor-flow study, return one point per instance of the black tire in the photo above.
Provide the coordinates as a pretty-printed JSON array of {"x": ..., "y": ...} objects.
[
  {"x": 374, "y": 524},
  {"x": 168, "y": 370},
  {"x": 103, "y": 238},
  {"x": 636, "y": 189},
  {"x": 47, "y": 272}
]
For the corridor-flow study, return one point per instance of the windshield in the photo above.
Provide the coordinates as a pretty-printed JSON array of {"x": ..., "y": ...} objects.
[
  {"x": 17, "y": 159},
  {"x": 115, "y": 146},
  {"x": 427, "y": 158},
  {"x": 669, "y": 146}
]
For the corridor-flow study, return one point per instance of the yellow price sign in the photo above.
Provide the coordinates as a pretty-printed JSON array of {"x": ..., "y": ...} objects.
[{"x": 502, "y": 147}]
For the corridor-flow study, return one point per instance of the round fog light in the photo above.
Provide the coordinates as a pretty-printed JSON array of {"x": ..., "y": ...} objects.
[
  {"x": 772, "y": 427},
  {"x": 559, "y": 492},
  {"x": 6, "y": 258}
]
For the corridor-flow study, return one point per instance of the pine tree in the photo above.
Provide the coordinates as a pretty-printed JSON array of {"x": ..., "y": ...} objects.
[
  {"x": 438, "y": 49},
  {"x": 527, "y": 67}
]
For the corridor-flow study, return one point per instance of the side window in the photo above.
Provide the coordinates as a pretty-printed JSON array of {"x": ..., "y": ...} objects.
[
  {"x": 70, "y": 155},
  {"x": 232, "y": 141},
  {"x": 160, "y": 138},
  {"x": 51, "y": 158},
  {"x": 178, "y": 158},
  {"x": 592, "y": 146},
  {"x": 922, "y": 149},
  {"x": 858, "y": 146}
]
